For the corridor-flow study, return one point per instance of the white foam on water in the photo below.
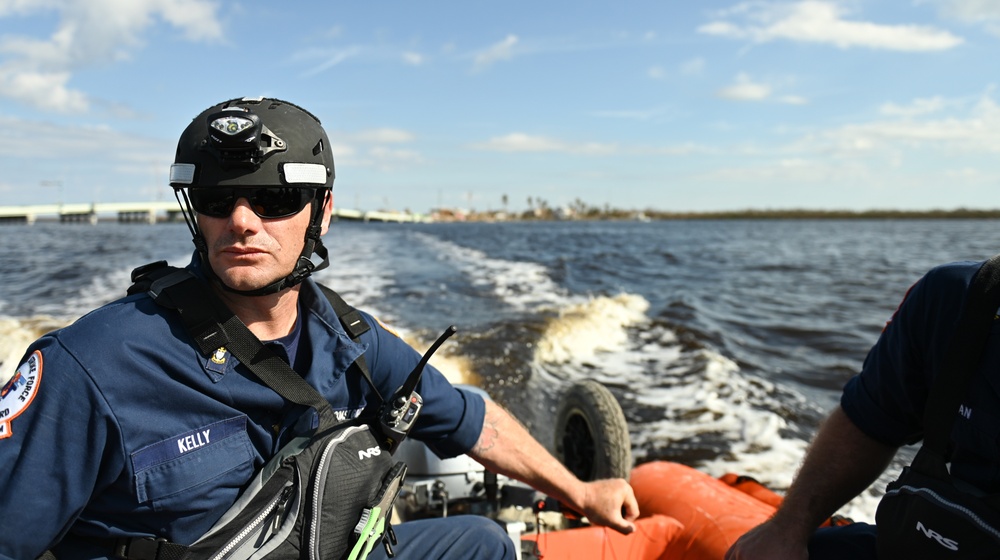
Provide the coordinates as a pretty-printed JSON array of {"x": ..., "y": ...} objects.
[
  {"x": 360, "y": 285},
  {"x": 703, "y": 394},
  {"x": 609, "y": 339},
  {"x": 520, "y": 284},
  {"x": 101, "y": 290},
  {"x": 595, "y": 325},
  {"x": 583, "y": 326}
]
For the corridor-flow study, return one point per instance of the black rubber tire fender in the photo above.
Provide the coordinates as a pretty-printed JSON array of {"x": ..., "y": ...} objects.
[{"x": 591, "y": 433}]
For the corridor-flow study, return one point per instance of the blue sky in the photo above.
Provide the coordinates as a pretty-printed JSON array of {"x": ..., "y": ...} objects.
[{"x": 709, "y": 105}]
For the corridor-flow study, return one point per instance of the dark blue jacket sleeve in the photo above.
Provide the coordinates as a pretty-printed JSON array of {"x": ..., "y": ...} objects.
[
  {"x": 886, "y": 399},
  {"x": 56, "y": 451}
]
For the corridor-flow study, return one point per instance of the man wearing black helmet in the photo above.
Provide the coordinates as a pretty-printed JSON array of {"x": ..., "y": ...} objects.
[{"x": 119, "y": 427}]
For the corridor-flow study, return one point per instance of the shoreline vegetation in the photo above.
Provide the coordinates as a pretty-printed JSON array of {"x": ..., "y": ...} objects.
[{"x": 591, "y": 213}]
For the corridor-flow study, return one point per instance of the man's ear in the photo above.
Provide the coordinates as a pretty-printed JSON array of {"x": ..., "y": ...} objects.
[{"x": 327, "y": 213}]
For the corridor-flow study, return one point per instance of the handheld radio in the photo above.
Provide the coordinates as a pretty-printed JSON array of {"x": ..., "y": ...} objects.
[{"x": 397, "y": 415}]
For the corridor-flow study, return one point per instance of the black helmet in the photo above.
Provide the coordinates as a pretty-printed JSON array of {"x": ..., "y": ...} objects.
[
  {"x": 253, "y": 142},
  {"x": 256, "y": 142}
]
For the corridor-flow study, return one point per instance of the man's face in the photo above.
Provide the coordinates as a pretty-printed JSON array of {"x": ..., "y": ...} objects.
[{"x": 248, "y": 252}]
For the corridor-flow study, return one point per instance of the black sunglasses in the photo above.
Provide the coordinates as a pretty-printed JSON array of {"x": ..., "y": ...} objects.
[{"x": 266, "y": 202}]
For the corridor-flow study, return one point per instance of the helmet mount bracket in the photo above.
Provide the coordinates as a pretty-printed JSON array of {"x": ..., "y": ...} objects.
[{"x": 238, "y": 138}]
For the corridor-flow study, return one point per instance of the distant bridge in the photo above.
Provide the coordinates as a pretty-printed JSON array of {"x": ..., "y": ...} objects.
[{"x": 152, "y": 212}]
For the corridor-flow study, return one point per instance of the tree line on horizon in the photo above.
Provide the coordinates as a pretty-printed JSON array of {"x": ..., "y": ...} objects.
[{"x": 540, "y": 209}]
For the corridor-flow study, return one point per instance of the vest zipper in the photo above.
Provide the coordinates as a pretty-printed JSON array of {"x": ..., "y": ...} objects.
[{"x": 277, "y": 504}]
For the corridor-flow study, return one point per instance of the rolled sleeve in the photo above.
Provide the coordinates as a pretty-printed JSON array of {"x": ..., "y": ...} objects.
[
  {"x": 470, "y": 426},
  {"x": 886, "y": 399},
  {"x": 867, "y": 412}
]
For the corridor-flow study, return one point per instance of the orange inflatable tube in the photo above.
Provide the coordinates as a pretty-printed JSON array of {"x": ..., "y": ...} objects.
[
  {"x": 713, "y": 513},
  {"x": 651, "y": 540},
  {"x": 751, "y": 487}
]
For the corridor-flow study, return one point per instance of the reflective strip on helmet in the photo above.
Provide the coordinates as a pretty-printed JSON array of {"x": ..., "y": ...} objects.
[
  {"x": 182, "y": 173},
  {"x": 310, "y": 173}
]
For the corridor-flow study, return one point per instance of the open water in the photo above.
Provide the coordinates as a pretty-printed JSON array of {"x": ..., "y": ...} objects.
[{"x": 726, "y": 342}]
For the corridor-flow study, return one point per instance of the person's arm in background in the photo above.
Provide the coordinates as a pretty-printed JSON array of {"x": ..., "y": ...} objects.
[{"x": 841, "y": 462}]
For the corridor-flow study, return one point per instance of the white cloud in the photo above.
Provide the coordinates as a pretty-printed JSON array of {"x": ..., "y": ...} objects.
[
  {"x": 656, "y": 72},
  {"x": 371, "y": 148},
  {"x": 693, "y": 67},
  {"x": 88, "y": 33},
  {"x": 196, "y": 18},
  {"x": 975, "y": 132},
  {"x": 85, "y": 159},
  {"x": 376, "y": 157},
  {"x": 503, "y": 50},
  {"x": 745, "y": 89},
  {"x": 387, "y": 156},
  {"x": 413, "y": 59},
  {"x": 638, "y": 115},
  {"x": 42, "y": 89},
  {"x": 917, "y": 107},
  {"x": 329, "y": 57},
  {"x": 977, "y": 12},
  {"x": 793, "y": 100},
  {"x": 8, "y": 7},
  {"x": 520, "y": 142},
  {"x": 342, "y": 152},
  {"x": 814, "y": 21},
  {"x": 56, "y": 141},
  {"x": 383, "y": 136},
  {"x": 325, "y": 58},
  {"x": 517, "y": 142},
  {"x": 923, "y": 142},
  {"x": 686, "y": 149}
]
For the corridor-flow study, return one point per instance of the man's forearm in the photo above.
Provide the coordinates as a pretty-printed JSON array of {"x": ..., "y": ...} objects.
[
  {"x": 841, "y": 462},
  {"x": 506, "y": 447}
]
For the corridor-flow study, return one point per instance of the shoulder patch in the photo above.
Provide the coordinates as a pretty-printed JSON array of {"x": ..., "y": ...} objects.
[{"x": 19, "y": 391}]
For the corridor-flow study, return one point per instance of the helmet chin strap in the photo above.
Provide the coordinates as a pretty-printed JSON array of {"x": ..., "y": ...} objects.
[{"x": 313, "y": 257}]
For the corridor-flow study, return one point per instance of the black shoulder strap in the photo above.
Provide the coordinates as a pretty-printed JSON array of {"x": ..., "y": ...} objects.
[
  {"x": 213, "y": 325},
  {"x": 355, "y": 325},
  {"x": 965, "y": 352},
  {"x": 157, "y": 278},
  {"x": 349, "y": 317}
]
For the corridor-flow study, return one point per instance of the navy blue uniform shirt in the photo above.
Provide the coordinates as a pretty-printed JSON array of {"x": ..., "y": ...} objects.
[
  {"x": 886, "y": 399},
  {"x": 117, "y": 426}
]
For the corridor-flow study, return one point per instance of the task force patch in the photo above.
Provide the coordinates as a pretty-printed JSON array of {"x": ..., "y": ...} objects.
[{"x": 19, "y": 391}]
